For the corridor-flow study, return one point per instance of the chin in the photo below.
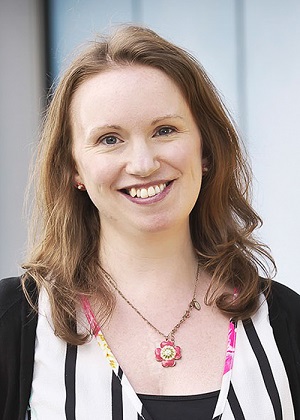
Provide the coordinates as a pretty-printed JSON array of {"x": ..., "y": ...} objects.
[{"x": 159, "y": 224}]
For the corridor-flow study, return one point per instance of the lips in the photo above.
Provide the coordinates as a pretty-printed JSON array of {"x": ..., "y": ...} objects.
[{"x": 146, "y": 192}]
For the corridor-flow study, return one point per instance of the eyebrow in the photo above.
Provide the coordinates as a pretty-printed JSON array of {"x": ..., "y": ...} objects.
[
  {"x": 103, "y": 127},
  {"x": 165, "y": 117}
]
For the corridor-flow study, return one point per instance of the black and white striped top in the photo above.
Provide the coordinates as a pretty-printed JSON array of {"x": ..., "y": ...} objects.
[{"x": 86, "y": 382}]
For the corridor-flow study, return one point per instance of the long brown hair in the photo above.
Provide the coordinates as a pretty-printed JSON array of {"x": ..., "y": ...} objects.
[{"x": 65, "y": 258}]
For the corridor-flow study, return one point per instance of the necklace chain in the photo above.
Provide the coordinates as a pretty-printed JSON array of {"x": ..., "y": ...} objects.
[{"x": 193, "y": 304}]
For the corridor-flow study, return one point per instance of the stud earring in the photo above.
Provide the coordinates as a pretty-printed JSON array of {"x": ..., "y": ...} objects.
[
  {"x": 80, "y": 186},
  {"x": 204, "y": 168}
]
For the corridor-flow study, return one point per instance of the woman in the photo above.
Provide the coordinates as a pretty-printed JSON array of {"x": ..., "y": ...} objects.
[{"x": 145, "y": 273}]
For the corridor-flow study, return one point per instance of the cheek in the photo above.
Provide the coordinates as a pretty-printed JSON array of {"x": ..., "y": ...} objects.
[
  {"x": 96, "y": 172},
  {"x": 189, "y": 160}
]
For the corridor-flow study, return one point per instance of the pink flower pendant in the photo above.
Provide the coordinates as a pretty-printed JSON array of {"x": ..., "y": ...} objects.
[{"x": 167, "y": 353}]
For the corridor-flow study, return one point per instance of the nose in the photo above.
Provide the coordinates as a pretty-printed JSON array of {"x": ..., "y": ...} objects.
[{"x": 142, "y": 160}]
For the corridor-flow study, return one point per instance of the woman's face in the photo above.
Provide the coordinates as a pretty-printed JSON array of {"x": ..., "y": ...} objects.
[{"x": 137, "y": 149}]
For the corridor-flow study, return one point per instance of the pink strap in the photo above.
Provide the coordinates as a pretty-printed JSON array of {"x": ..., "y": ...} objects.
[{"x": 90, "y": 316}]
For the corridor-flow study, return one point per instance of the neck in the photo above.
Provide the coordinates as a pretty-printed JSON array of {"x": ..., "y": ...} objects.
[{"x": 148, "y": 260}]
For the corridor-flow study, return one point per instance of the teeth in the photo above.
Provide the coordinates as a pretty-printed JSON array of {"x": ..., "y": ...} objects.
[
  {"x": 147, "y": 192},
  {"x": 144, "y": 193},
  {"x": 151, "y": 191},
  {"x": 132, "y": 192}
]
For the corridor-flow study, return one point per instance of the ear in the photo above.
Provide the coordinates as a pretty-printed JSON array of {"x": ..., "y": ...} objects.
[
  {"x": 77, "y": 179},
  {"x": 205, "y": 168},
  {"x": 77, "y": 182}
]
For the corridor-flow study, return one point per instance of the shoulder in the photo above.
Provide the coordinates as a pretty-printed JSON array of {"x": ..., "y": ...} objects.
[
  {"x": 284, "y": 309},
  {"x": 11, "y": 294},
  {"x": 284, "y": 291},
  {"x": 283, "y": 300},
  {"x": 17, "y": 338},
  {"x": 284, "y": 317},
  {"x": 13, "y": 302}
]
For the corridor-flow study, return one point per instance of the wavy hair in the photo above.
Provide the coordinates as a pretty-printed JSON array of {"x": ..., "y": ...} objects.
[{"x": 65, "y": 257}]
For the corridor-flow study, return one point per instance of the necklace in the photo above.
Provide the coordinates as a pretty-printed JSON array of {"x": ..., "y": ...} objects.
[{"x": 167, "y": 353}]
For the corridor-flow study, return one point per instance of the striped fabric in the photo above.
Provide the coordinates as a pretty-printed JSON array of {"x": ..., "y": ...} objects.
[{"x": 86, "y": 382}]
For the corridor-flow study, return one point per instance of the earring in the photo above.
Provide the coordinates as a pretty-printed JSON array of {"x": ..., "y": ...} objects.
[
  {"x": 204, "y": 168},
  {"x": 80, "y": 186}
]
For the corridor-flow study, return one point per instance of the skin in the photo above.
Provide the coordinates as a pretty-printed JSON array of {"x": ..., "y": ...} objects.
[
  {"x": 132, "y": 128},
  {"x": 124, "y": 137}
]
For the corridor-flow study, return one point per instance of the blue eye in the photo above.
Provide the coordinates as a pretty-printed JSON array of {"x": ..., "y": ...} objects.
[
  {"x": 109, "y": 140},
  {"x": 164, "y": 131}
]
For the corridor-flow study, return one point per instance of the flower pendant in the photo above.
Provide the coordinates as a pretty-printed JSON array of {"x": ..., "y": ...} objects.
[{"x": 167, "y": 353}]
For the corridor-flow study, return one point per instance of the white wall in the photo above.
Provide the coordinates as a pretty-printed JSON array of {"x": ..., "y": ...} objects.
[
  {"x": 251, "y": 50},
  {"x": 20, "y": 100},
  {"x": 74, "y": 22},
  {"x": 273, "y": 92}
]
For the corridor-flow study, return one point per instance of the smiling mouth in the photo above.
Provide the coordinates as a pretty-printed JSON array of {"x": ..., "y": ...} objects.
[{"x": 146, "y": 192}]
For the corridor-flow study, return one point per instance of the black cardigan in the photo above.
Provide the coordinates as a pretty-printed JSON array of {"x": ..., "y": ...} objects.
[{"x": 18, "y": 323}]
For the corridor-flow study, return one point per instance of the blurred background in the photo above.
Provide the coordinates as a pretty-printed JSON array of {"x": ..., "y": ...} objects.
[{"x": 250, "y": 49}]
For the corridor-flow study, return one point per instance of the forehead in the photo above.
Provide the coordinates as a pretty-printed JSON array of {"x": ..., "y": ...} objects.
[
  {"x": 122, "y": 82},
  {"x": 127, "y": 73}
]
